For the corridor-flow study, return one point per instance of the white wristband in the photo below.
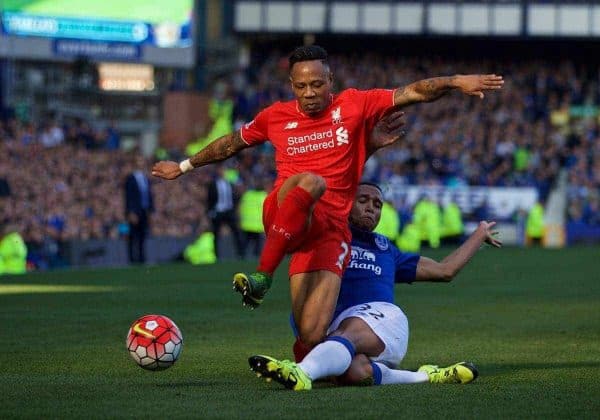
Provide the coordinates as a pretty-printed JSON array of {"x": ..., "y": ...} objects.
[{"x": 185, "y": 166}]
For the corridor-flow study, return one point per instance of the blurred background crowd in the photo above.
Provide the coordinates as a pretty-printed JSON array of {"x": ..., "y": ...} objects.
[
  {"x": 62, "y": 179},
  {"x": 521, "y": 136}
]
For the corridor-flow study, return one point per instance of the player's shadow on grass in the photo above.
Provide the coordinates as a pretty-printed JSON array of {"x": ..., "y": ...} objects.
[
  {"x": 495, "y": 368},
  {"x": 320, "y": 385},
  {"x": 188, "y": 384}
]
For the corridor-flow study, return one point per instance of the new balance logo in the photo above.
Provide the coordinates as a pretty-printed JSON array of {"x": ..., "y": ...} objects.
[
  {"x": 291, "y": 125},
  {"x": 341, "y": 136}
]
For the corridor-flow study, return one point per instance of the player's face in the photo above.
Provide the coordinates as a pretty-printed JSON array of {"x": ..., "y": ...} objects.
[
  {"x": 366, "y": 209},
  {"x": 311, "y": 83}
]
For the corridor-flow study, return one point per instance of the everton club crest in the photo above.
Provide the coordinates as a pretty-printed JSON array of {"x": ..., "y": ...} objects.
[{"x": 381, "y": 242}]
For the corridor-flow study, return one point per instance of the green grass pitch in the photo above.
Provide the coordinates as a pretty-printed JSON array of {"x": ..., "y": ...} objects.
[{"x": 529, "y": 319}]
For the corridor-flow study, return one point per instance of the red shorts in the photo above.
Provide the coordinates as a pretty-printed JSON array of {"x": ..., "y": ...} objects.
[{"x": 324, "y": 246}]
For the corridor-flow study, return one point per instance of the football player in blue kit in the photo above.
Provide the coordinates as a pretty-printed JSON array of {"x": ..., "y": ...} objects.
[{"x": 368, "y": 337}]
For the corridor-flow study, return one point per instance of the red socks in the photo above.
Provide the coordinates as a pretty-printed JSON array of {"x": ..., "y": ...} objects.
[
  {"x": 300, "y": 350},
  {"x": 288, "y": 226}
]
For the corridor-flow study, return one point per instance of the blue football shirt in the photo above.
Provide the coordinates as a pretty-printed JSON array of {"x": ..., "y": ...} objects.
[{"x": 375, "y": 265}]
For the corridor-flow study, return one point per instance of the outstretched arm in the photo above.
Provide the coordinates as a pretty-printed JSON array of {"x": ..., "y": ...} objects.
[
  {"x": 430, "y": 270},
  {"x": 220, "y": 149},
  {"x": 429, "y": 90}
]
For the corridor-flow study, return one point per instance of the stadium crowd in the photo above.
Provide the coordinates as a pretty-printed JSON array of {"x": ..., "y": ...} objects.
[
  {"x": 71, "y": 192},
  {"x": 583, "y": 165},
  {"x": 65, "y": 179},
  {"x": 545, "y": 118},
  {"x": 72, "y": 187}
]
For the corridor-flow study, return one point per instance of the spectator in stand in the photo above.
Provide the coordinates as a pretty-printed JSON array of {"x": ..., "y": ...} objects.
[
  {"x": 138, "y": 206},
  {"x": 113, "y": 137},
  {"x": 591, "y": 211},
  {"x": 4, "y": 188},
  {"x": 13, "y": 251},
  {"x": 250, "y": 213},
  {"x": 222, "y": 202},
  {"x": 52, "y": 135}
]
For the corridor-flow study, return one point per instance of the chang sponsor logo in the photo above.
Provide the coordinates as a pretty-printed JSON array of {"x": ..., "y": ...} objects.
[
  {"x": 363, "y": 259},
  {"x": 365, "y": 266},
  {"x": 359, "y": 253}
]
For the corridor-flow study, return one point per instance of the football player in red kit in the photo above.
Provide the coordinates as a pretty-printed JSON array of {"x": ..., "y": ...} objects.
[{"x": 321, "y": 142}]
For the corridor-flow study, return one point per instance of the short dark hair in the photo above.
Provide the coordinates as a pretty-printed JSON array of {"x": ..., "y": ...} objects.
[
  {"x": 308, "y": 53},
  {"x": 371, "y": 184}
]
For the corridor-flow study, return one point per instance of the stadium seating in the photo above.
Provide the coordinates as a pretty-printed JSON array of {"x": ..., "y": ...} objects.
[{"x": 521, "y": 136}]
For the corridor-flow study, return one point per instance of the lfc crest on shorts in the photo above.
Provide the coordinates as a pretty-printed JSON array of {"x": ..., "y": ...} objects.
[{"x": 381, "y": 242}]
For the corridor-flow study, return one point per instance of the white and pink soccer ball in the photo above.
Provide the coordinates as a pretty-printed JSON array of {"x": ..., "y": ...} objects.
[{"x": 154, "y": 342}]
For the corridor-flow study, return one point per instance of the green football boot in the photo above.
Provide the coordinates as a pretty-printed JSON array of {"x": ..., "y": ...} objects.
[
  {"x": 459, "y": 373},
  {"x": 285, "y": 372},
  {"x": 253, "y": 287}
]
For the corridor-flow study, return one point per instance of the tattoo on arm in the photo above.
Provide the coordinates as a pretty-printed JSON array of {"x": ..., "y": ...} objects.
[
  {"x": 220, "y": 149},
  {"x": 426, "y": 90}
]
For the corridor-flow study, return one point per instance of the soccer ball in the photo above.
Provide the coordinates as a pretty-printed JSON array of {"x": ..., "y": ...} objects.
[{"x": 154, "y": 342}]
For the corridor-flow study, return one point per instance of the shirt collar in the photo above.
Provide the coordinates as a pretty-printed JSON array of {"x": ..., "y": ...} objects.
[
  {"x": 362, "y": 235},
  {"x": 331, "y": 99}
]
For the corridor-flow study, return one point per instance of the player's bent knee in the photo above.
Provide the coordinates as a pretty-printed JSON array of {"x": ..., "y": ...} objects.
[
  {"x": 359, "y": 373},
  {"x": 312, "y": 337},
  {"x": 313, "y": 183}
]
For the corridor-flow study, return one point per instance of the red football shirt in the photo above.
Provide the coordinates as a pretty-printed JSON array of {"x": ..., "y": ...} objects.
[{"x": 332, "y": 144}]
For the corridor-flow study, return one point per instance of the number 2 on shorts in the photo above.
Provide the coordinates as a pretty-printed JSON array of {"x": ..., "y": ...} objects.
[{"x": 342, "y": 256}]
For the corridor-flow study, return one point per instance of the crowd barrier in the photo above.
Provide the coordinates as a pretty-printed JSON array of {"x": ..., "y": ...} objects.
[{"x": 113, "y": 252}]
